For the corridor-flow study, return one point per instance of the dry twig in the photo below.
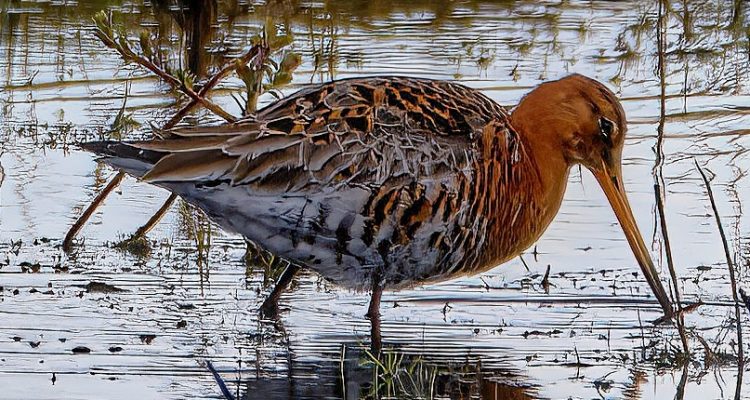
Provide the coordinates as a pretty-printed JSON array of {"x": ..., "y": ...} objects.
[{"x": 733, "y": 282}]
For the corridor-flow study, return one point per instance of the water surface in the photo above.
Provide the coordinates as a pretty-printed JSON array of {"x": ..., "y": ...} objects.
[{"x": 589, "y": 336}]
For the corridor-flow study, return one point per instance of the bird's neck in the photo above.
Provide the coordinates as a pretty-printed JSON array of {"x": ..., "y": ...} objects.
[
  {"x": 528, "y": 197},
  {"x": 544, "y": 157},
  {"x": 537, "y": 126}
]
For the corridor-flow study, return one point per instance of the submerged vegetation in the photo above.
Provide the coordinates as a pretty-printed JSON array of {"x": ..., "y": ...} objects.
[{"x": 399, "y": 375}]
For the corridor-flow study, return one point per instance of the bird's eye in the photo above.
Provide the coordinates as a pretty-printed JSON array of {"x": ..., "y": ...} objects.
[{"x": 606, "y": 127}]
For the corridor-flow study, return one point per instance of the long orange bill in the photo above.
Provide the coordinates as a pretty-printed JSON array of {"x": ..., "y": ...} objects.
[{"x": 611, "y": 183}]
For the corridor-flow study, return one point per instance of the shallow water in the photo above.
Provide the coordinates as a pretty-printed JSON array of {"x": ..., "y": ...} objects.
[{"x": 499, "y": 334}]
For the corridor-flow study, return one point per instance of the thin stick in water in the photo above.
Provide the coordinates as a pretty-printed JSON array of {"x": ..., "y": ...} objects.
[
  {"x": 151, "y": 223},
  {"x": 222, "y": 386},
  {"x": 733, "y": 281},
  {"x": 81, "y": 221}
]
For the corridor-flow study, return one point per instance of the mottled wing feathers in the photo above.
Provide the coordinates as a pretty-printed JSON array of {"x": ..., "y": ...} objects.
[
  {"x": 356, "y": 131},
  {"x": 204, "y": 165}
]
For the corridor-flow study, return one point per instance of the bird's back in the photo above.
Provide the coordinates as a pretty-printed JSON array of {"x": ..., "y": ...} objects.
[{"x": 413, "y": 179}]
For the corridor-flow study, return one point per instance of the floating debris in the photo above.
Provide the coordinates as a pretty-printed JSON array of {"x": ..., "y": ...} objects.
[
  {"x": 100, "y": 287},
  {"x": 81, "y": 350},
  {"x": 147, "y": 338},
  {"x": 526, "y": 334}
]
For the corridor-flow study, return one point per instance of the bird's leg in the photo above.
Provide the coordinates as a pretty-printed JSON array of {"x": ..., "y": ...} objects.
[
  {"x": 373, "y": 314},
  {"x": 270, "y": 307}
]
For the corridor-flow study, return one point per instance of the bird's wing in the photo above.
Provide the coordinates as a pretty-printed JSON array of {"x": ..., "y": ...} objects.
[{"x": 363, "y": 131}]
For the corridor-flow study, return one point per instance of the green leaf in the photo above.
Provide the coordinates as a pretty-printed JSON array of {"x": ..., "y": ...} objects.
[
  {"x": 248, "y": 76},
  {"x": 290, "y": 62},
  {"x": 145, "y": 40},
  {"x": 280, "y": 79},
  {"x": 124, "y": 46},
  {"x": 280, "y": 42}
]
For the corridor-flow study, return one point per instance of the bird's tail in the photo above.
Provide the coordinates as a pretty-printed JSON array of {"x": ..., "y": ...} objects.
[
  {"x": 188, "y": 153},
  {"x": 122, "y": 155}
]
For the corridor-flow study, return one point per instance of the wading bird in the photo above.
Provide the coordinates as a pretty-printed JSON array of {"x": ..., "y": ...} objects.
[{"x": 389, "y": 182}]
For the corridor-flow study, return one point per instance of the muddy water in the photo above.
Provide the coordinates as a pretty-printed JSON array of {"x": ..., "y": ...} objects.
[{"x": 105, "y": 323}]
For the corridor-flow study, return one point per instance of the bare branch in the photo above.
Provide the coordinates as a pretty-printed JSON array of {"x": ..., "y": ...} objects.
[{"x": 119, "y": 43}]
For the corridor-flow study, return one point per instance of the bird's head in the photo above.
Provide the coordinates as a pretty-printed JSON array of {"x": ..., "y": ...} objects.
[{"x": 580, "y": 121}]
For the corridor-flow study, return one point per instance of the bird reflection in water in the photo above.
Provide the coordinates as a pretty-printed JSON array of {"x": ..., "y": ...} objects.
[{"x": 359, "y": 374}]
